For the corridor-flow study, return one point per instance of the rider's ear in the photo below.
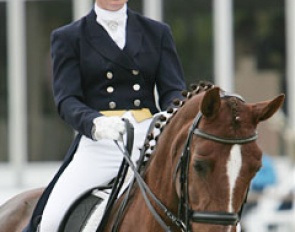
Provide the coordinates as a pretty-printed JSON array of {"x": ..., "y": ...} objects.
[{"x": 211, "y": 103}]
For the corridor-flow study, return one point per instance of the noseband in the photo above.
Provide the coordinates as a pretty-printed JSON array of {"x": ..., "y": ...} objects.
[{"x": 185, "y": 212}]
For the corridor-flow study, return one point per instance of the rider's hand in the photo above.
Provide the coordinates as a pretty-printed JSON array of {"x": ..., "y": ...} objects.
[{"x": 108, "y": 128}]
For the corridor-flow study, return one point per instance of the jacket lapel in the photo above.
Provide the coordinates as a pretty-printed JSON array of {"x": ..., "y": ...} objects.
[
  {"x": 103, "y": 44},
  {"x": 134, "y": 35}
]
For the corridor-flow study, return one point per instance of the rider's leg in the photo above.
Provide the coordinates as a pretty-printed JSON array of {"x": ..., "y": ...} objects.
[{"x": 94, "y": 164}]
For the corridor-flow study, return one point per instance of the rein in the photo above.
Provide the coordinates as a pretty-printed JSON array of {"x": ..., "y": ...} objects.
[
  {"x": 119, "y": 181},
  {"x": 146, "y": 192}
]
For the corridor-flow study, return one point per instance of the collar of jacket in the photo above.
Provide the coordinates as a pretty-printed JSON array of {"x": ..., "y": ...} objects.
[{"x": 103, "y": 44}]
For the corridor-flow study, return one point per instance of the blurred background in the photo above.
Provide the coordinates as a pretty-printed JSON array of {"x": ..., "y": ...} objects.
[{"x": 244, "y": 46}]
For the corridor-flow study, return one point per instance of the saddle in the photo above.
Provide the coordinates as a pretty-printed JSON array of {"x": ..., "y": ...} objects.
[
  {"x": 90, "y": 212},
  {"x": 90, "y": 205}
]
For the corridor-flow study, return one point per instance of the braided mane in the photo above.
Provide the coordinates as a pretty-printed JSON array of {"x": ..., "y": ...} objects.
[{"x": 152, "y": 137}]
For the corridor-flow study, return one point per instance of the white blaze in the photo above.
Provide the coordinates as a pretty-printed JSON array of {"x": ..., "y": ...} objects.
[{"x": 234, "y": 165}]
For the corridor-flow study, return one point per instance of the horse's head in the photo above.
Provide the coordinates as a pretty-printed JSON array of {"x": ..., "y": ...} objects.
[
  {"x": 203, "y": 162},
  {"x": 220, "y": 157}
]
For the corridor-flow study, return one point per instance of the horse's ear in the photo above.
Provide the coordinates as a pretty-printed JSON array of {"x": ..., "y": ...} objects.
[
  {"x": 264, "y": 110},
  {"x": 211, "y": 102}
]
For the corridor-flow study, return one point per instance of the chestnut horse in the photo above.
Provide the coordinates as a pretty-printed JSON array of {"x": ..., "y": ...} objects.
[{"x": 200, "y": 169}]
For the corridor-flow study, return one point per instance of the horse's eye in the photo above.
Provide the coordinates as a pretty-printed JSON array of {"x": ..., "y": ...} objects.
[{"x": 201, "y": 167}]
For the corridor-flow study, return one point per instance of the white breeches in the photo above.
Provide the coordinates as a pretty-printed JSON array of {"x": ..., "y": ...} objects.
[{"x": 94, "y": 164}]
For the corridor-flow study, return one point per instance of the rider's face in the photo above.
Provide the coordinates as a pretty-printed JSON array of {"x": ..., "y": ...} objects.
[{"x": 112, "y": 5}]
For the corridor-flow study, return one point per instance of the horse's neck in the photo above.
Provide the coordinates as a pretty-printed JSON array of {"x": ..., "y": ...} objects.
[{"x": 159, "y": 174}]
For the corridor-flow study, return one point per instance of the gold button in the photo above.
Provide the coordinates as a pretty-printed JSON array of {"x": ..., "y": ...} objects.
[
  {"x": 110, "y": 75},
  {"x": 137, "y": 102},
  {"x": 112, "y": 105},
  {"x": 110, "y": 89},
  {"x": 135, "y": 72},
  {"x": 136, "y": 87}
]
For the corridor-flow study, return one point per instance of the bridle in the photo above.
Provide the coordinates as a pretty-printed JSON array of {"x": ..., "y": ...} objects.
[
  {"x": 185, "y": 212},
  {"x": 186, "y": 215}
]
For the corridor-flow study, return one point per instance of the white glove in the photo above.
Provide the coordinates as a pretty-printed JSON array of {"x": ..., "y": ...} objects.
[{"x": 111, "y": 127}]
